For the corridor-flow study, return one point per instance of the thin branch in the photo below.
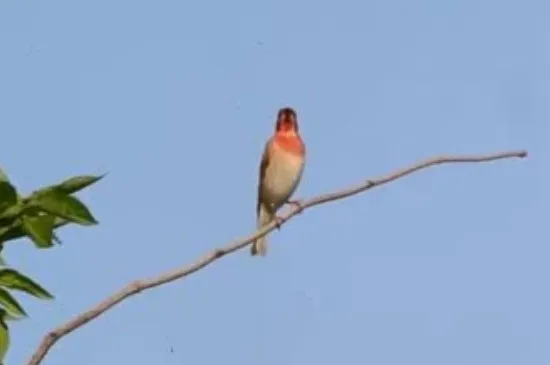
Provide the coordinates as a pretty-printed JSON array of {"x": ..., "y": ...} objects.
[{"x": 141, "y": 285}]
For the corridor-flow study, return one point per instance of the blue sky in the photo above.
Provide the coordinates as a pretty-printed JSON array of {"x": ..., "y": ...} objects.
[{"x": 175, "y": 100}]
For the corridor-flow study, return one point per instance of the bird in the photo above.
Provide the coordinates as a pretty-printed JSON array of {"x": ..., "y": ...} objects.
[{"x": 281, "y": 168}]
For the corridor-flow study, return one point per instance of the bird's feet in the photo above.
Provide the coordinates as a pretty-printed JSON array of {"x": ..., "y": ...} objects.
[
  {"x": 278, "y": 222},
  {"x": 297, "y": 204}
]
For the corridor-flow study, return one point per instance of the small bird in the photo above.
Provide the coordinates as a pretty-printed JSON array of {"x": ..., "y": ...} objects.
[{"x": 281, "y": 169}]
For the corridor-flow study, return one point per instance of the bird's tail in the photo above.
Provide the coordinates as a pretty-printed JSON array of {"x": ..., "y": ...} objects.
[{"x": 259, "y": 247}]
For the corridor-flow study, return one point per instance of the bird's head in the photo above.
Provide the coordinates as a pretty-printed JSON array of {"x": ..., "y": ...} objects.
[{"x": 287, "y": 122}]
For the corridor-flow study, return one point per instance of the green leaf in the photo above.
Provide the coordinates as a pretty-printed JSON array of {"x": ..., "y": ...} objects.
[
  {"x": 8, "y": 195},
  {"x": 61, "y": 204},
  {"x": 10, "y": 304},
  {"x": 3, "y": 176},
  {"x": 15, "y": 231},
  {"x": 13, "y": 279},
  {"x": 4, "y": 336},
  {"x": 8, "y": 230},
  {"x": 6, "y": 227},
  {"x": 10, "y": 213},
  {"x": 2, "y": 262},
  {"x": 77, "y": 183},
  {"x": 40, "y": 229}
]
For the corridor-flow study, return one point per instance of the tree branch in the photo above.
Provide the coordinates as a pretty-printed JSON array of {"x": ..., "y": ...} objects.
[{"x": 141, "y": 285}]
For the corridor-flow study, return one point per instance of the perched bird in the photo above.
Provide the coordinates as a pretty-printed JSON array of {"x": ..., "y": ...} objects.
[{"x": 281, "y": 170}]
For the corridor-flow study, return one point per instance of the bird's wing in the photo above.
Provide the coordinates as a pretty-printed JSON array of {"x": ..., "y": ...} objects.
[{"x": 263, "y": 168}]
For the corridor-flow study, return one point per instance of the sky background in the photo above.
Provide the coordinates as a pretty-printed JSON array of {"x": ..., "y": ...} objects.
[{"x": 175, "y": 99}]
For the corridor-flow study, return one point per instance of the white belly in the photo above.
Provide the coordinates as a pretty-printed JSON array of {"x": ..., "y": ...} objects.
[{"x": 282, "y": 177}]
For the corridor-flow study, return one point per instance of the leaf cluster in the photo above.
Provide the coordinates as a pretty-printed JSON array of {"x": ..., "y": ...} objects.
[{"x": 35, "y": 216}]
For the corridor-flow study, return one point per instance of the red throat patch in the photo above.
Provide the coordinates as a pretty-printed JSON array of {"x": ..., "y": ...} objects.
[{"x": 290, "y": 143}]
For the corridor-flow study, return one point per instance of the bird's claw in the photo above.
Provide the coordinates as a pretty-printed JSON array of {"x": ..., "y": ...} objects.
[
  {"x": 297, "y": 204},
  {"x": 278, "y": 222}
]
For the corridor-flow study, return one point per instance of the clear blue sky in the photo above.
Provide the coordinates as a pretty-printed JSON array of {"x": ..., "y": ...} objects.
[{"x": 175, "y": 100}]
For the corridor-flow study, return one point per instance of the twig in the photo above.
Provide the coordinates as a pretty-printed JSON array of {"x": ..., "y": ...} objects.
[{"x": 141, "y": 285}]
